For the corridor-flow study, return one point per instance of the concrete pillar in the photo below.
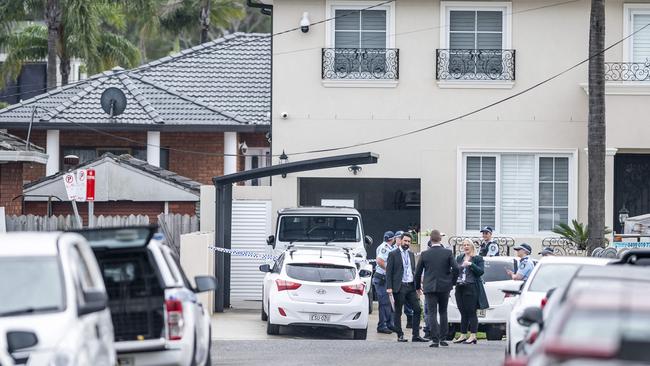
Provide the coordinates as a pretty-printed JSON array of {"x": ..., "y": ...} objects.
[
  {"x": 230, "y": 147},
  {"x": 52, "y": 149},
  {"x": 153, "y": 148},
  {"x": 609, "y": 187}
]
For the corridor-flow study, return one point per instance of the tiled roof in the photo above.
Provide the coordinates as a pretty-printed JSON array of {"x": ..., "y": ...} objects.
[
  {"x": 147, "y": 103},
  {"x": 10, "y": 142},
  {"x": 232, "y": 73},
  {"x": 133, "y": 162}
]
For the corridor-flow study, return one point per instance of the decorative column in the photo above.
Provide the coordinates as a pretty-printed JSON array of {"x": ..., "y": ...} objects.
[
  {"x": 153, "y": 148},
  {"x": 609, "y": 187},
  {"x": 52, "y": 149},
  {"x": 230, "y": 148}
]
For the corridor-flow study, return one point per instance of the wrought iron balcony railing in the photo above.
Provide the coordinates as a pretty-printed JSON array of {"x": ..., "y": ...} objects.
[
  {"x": 627, "y": 71},
  {"x": 360, "y": 63},
  {"x": 460, "y": 64}
]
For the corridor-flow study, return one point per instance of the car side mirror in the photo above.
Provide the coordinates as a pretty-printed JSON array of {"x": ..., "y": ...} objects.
[
  {"x": 265, "y": 268},
  {"x": 205, "y": 283},
  {"x": 531, "y": 315},
  {"x": 364, "y": 273},
  {"x": 367, "y": 240},
  {"x": 271, "y": 241},
  {"x": 18, "y": 340},
  {"x": 513, "y": 289},
  {"x": 94, "y": 301}
]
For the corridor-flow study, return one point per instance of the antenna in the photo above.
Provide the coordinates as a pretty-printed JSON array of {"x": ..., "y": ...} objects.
[{"x": 113, "y": 101}]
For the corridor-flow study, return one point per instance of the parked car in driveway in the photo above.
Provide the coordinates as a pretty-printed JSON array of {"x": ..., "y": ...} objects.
[
  {"x": 492, "y": 321},
  {"x": 54, "y": 305},
  {"x": 315, "y": 286},
  {"x": 156, "y": 314},
  {"x": 549, "y": 272}
]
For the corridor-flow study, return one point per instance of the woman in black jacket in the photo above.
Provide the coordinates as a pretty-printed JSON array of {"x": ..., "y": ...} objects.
[{"x": 470, "y": 293}]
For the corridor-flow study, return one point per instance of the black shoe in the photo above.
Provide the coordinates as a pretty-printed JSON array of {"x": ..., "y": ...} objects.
[
  {"x": 433, "y": 345},
  {"x": 384, "y": 331},
  {"x": 470, "y": 342},
  {"x": 444, "y": 344},
  {"x": 419, "y": 339},
  {"x": 400, "y": 338}
]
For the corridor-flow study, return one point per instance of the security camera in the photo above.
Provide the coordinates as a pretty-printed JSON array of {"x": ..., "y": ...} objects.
[
  {"x": 304, "y": 22},
  {"x": 284, "y": 115},
  {"x": 243, "y": 147}
]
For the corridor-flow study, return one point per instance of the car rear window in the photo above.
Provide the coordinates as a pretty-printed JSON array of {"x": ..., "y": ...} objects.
[
  {"x": 315, "y": 272},
  {"x": 550, "y": 276},
  {"x": 496, "y": 270},
  {"x": 605, "y": 327}
]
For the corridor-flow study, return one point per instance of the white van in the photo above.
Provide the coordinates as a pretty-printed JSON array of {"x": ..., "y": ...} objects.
[{"x": 54, "y": 304}]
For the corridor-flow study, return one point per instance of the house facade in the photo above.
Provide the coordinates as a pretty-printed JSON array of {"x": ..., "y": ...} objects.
[{"x": 399, "y": 79}]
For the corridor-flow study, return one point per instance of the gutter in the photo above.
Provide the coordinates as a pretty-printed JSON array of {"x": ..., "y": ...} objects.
[{"x": 23, "y": 156}]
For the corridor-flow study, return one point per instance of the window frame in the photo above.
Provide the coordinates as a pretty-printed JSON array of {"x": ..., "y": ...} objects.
[
  {"x": 447, "y": 6},
  {"x": 264, "y": 154},
  {"x": 629, "y": 10},
  {"x": 463, "y": 153},
  {"x": 331, "y": 6}
]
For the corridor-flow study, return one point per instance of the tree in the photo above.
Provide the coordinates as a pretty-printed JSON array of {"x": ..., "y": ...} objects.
[
  {"x": 180, "y": 16},
  {"x": 596, "y": 138}
]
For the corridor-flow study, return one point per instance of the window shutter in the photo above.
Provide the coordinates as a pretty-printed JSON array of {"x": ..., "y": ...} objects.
[
  {"x": 553, "y": 192},
  {"x": 462, "y": 25},
  {"x": 480, "y": 192},
  {"x": 517, "y": 198},
  {"x": 346, "y": 29},
  {"x": 641, "y": 40}
]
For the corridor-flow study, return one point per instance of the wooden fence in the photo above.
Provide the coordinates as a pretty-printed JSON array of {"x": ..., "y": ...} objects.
[
  {"x": 175, "y": 225},
  {"x": 61, "y": 223}
]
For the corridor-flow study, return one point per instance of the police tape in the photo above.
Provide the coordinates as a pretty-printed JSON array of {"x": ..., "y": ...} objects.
[{"x": 252, "y": 254}]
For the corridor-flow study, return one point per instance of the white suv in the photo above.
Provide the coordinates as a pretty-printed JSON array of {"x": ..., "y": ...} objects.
[
  {"x": 315, "y": 286},
  {"x": 54, "y": 304}
]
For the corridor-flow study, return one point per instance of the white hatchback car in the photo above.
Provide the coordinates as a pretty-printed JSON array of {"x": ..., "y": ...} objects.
[
  {"x": 54, "y": 308},
  {"x": 549, "y": 273},
  {"x": 312, "y": 286},
  {"x": 493, "y": 320}
]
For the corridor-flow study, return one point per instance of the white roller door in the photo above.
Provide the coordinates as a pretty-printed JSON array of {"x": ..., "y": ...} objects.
[{"x": 251, "y": 224}]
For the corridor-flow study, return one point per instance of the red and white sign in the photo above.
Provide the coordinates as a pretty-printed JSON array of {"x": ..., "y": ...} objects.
[{"x": 80, "y": 185}]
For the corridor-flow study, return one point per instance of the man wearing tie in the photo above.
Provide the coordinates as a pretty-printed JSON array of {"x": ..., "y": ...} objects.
[
  {"x": 400, "y": 270},
  {"x": 440, "y": 269}
]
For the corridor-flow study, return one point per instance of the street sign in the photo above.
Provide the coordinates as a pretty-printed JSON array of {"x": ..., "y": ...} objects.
[{"x": 80, "y": 185}]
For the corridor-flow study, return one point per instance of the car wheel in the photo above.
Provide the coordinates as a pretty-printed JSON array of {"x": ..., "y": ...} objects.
[
  {"x": 361, "y": 334},
  {"x": 493, "y": 333},
  {"x": 271, "y": 329},
  {"x": 265, "y": 316},
  {"x": 208, "y": 359},
  {"x": 370, "y": 296}
]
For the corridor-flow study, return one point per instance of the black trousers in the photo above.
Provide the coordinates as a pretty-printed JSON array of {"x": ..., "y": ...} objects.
[
  {"x": 467, "y": 301},
  {"x": 437, "y": 303},
  {"x": 407, "y": 294}
]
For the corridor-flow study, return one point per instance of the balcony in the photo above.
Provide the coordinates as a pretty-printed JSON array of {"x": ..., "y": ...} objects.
[
  {"x": 627, "y": 71},
  {"x": 360, "y": 64},
  {"x": 475, "y": 65}
]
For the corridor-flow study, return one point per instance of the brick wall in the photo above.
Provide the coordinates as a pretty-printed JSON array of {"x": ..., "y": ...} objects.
[
  {"x": 121, "y": 208},
  {"x": 11, "y": 185},
  {"x": 199, "y": 167}
]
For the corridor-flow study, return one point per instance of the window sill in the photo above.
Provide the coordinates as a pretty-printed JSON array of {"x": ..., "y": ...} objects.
[
  {"x": 622, "y": 88},
  {"x": 357, "y": 83},
  {"x": 475, "y": 84}
]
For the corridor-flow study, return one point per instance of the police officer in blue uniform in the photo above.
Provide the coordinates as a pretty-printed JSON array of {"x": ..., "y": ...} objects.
[
  {"x": 379, "y": 281},
  {"x": 488, "y": 247},
  {"x": 526, "y": 265}
]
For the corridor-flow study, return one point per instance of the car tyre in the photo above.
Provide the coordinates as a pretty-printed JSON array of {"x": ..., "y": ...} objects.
[
  {"x": 208, "y": 360},
  {"x": 361, "y": 334},
  {"x": 264, "y": 316},
  {"x": 370, "y": 296},
  {"x": 493, "y": 333},
  {"x": 271, "y": 329}
]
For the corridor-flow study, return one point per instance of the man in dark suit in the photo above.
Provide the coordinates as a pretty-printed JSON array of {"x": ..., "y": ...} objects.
[
  {"x": 400, "y": 270},
  {"x": 440, "y": 270}
]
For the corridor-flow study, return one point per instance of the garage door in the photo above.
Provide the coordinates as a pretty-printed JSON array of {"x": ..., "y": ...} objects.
[{"x": 251, "y": 224}]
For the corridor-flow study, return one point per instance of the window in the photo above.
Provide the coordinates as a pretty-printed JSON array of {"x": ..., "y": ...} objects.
[
  {"x": 359, "y": 28},
  {"x": 473, "y": 29},
  {"x": 638, "y": 46},
  {"x": 258, "y": 158},
  {"x": 87, "y": 154},
  {"x": 516, "y": 193}
]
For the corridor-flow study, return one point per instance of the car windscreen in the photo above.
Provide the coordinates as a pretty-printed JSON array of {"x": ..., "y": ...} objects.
[
  {"x": 496, "y": 270},
  {"x": 552, "y": 275},
  {"x": 115, "y": 238},
  {"x": 319, "y": 228},
  {"x": 315, "y": 272},
  {"x": 31, "y": 285}
]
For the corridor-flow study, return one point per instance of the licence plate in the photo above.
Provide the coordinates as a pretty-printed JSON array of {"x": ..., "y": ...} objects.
[
  {"x": 480, "y": 313},
  {"x": 125, "y": 361},
  {"x": 324, "y": 318}
]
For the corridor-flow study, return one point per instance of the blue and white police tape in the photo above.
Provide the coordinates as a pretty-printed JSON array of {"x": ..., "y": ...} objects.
[{"x": 244, "y": 253}]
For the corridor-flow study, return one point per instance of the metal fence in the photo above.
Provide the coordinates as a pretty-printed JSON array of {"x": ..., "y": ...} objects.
[
  {"x": 475, "y": 64},
  {"x": 360, "y": 63},
  {"x": 505, "y": 243}
]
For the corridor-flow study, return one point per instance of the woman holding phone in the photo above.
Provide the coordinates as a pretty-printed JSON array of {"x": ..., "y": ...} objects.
[{"x": 470, "y": 293}]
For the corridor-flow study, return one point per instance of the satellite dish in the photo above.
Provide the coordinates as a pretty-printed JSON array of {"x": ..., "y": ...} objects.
[{"x": 113, "y": 101}]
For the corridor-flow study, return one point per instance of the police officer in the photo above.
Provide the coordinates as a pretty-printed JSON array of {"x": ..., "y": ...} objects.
[
  {"x": 379, "y": 281},
  {"x": 547, "y": 252},
  {"x": 408, "y": 311},
  {"x": 488, "y": 247},
  {"x": 526, "y": 265}
]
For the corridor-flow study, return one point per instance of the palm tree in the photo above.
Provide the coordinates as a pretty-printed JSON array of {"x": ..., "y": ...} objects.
[
  {"x": 180, "y": 15},
  {"x": 86, "y": 29},
  {"x": 596, "y": 138}
]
